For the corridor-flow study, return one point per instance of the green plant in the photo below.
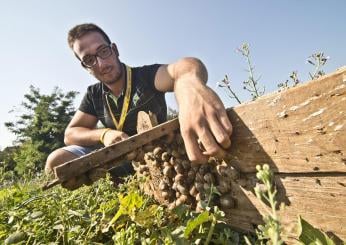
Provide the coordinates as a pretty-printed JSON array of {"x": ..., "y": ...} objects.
[
  {"x": 293, "y": 79},
  {"x": 39, "y": 127},
  {"x": 271, "y": 231},
  {"x": 226, "y": 83},
  {"x": 102, "y": 214},
  {"x": 251, "y": 83},
  {"x": 310, "y": 235},
  {"x": 318, "y": 60}
]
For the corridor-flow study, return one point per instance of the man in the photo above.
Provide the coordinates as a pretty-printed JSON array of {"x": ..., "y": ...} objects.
[{"x": 123, "y": 91}]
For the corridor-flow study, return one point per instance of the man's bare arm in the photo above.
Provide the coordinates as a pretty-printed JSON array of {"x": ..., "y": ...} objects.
[
  {"x": 202, "y": 115},
  {"x": 81, "y": 131}
]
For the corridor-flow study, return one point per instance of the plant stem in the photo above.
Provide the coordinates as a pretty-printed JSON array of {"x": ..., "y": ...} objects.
[
  {"x": 233, "y": 94},
  {"x": 252, "y": 79},
  {"x": 211, "y": 230}
]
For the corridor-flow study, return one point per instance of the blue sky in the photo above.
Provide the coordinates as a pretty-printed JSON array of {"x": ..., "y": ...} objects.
[{"x": 281, "y": 34}]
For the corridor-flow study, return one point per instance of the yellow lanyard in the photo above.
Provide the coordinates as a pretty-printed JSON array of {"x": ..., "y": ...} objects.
[{"x": 119, "y": 125}]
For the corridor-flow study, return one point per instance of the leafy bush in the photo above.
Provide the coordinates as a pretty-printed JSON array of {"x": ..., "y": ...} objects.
[
  {"x": 102, "y": 214},
  {"x": 39, "y": 129}
]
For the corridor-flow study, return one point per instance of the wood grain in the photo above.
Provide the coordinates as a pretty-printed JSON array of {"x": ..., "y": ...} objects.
[
  {"x": 107, "y": 154},
  {"x": 319, "y": 199},
  {"x": 302, "y": 129}
]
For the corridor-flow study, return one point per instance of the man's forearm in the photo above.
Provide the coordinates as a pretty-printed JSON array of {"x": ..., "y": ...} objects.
[
  {"x": 190, "y": 70},
  {"x": 82, "y": 136},
  {"x": 202, "y": 116}
]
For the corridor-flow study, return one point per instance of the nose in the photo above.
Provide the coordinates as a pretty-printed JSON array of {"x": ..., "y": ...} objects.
[{"x": 100, "y": 62}]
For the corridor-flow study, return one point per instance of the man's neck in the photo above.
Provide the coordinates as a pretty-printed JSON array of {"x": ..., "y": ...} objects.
[{"x": 118, "y": 87}]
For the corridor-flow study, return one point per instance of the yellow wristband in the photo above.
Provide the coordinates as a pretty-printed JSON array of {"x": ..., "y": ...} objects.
[{"x": 103, "y": 134}]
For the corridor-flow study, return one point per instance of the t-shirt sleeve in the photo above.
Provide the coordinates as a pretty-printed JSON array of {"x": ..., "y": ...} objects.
[
  {"x": 148, "y": 73},
  {"x": 87, "y": 104}
]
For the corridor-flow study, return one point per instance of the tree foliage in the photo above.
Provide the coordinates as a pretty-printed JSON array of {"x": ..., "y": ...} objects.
[{"x": 40, "y": 126}]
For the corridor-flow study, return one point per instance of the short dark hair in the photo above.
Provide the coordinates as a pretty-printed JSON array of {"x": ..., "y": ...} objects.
[{"x": 80, "y": 30}]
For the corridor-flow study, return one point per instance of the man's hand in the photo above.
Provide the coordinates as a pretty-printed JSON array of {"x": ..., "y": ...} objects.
[
  {"x": 202, "y": 115},
  {"x": 203, "y": 119},
  {"x": 113, "y": 136}
]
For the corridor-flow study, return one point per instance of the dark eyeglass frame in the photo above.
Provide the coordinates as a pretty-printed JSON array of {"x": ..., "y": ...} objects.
[{"x": 98, "y": 54}]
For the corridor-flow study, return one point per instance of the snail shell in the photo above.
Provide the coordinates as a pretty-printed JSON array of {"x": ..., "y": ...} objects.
[
  {"x": 179, "y": 168},
  {"x": 157, "y": 152},
  {"x": 182, "y": 189},
  {"x": 227, "y": 202},
  {"x": 131, "y": 156},
  {"x": 179, "y": 178},
  {"x": 209, "y": 178},
  {"x": 165, "y": 156}
]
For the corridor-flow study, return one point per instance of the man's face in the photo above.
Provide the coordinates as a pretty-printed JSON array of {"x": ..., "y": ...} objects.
[{"x": 107, "y": 70}]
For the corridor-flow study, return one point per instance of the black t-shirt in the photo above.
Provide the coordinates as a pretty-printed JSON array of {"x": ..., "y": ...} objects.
[{"x": 144, "y": 97}]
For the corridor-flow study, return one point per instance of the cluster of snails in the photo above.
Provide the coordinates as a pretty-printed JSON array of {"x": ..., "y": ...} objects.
[{"x": 174, "y": 180}]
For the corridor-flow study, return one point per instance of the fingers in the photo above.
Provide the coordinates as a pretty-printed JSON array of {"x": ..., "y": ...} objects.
[
  {"x": 114, "y": 136},
  {"x": 119, "y": 136},
  {"x": 212, "y": 148},
  {"x": 193, "y": 151},
  {"x": 221, "y": 134},
  {"x": 123, "y": 136},
  {"x": 225, "y": 122},
  {"x": 213, "y": 132}
]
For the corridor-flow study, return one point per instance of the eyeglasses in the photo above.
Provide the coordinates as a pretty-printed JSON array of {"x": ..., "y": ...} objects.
[{"x": 91, "y": 60}]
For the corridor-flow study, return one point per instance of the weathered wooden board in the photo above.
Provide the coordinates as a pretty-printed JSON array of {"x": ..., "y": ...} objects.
[
  {"x": 105, "y": 155},
  {"x": 320, "y": 199},
  {"x": 301, "y": 134},
  {"x": 302, "y": 129}
]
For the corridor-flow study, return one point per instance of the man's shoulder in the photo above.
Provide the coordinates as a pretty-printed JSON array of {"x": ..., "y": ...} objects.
[
  {"x": 147, "y": 68},
  {"x": 145, "y": 75},
  {"x": 95, "y": 88}
]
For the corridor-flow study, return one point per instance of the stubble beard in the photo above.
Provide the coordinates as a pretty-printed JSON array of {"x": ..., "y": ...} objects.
[
  {"x": 117, "y": 76},
  {"x": 114, "y": 80}
]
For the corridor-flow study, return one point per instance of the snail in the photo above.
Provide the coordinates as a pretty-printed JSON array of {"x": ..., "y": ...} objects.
[{"x": 180, "y": 181}]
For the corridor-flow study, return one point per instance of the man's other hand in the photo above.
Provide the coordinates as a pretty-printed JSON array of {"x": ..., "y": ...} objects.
[{"x": 113, "y": 136}]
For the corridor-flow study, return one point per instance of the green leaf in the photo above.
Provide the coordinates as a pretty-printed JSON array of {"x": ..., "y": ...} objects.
[
  {"x": 128, "y": 205},
  {"x": 58, "y": 227},
  {"x": 74, "y": 213},
  {"x": 310, "y": 235},
  {"x": 193, "y": 224},
  {"x": 146, "y": 217},
  {"x": 36, "y": 214},
  {"x": 180, "y": 211}
]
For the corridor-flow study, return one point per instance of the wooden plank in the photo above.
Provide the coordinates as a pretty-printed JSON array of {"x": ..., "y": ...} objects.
[
  {"x": 81, "y": 165},
  {"x": 302, "y": 129},
  {"x": 318, "y": 198},
  {"x": 300, "y": 133}
]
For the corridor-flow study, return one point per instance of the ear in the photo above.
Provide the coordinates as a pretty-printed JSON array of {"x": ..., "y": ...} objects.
[{"x": 115, "y": 49}]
